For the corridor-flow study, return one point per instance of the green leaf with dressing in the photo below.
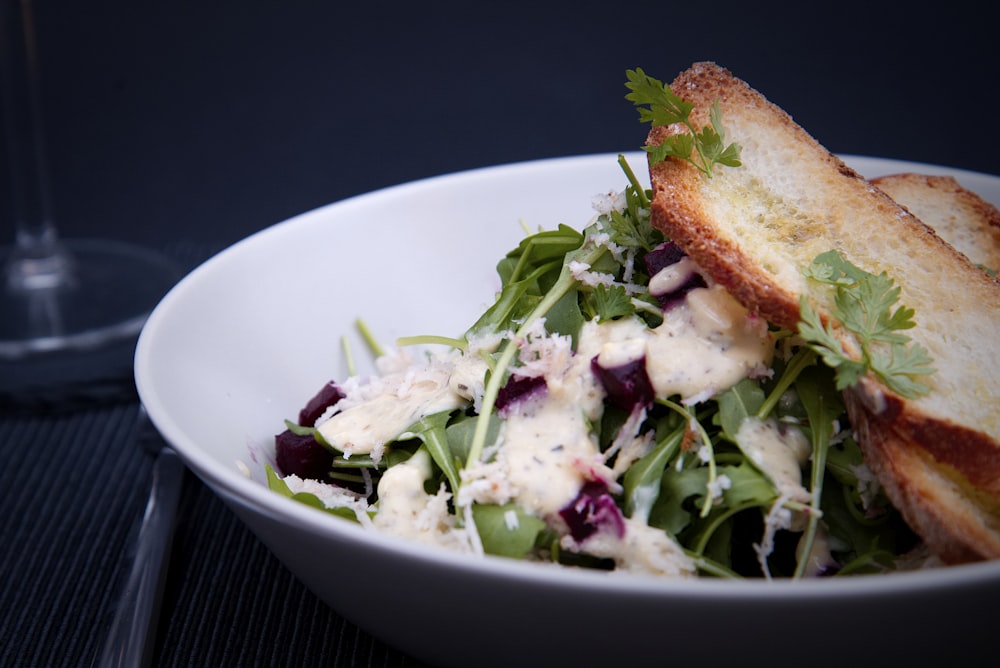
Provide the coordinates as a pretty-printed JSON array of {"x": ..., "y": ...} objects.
[
  {"x": 430, "y": 430},
  {"x": 642, "y": 480},
  {"x": 461, "y": 431},
  {"x": 276, "y": 484},
  {"x": 736, "y": 404},
  {"x": 506, "y": 531}
]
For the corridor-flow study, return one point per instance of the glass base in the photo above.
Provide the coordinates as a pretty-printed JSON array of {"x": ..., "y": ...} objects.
[{"x": 95, "y": 294}]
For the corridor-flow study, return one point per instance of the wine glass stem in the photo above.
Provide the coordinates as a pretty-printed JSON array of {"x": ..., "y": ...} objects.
[{"x": 37, "y": 259}]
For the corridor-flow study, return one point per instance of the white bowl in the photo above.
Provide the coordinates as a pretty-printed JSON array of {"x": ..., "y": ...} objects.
[{"x": 243, "y": 341}]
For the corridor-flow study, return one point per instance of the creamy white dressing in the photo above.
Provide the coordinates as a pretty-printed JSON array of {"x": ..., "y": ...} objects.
[
  {"x": 779, "y": 453},
  {"x": 820, "y": 557},
  {"x": 548, "y": 450},
  {"x": 405, "y": 509},
  {"x": 405, "y": 398},
  {"x": 402, "y": 498},
  {"x": 643, "y": 549},
  {"x": 705, "y": 345},
  {"x": 468, "y": 377},
  {"x": 672, "y": 277},
  {"x": 548, "y": 455}
]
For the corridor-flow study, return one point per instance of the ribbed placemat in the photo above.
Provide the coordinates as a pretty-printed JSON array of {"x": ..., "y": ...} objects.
[
  {"x": 74, "y": 489},
  {"x": 232, "y": 603},
  {"x": 72, "y": 486}
]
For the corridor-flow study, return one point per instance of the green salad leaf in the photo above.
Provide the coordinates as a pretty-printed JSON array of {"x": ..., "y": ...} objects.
[{"x": 506, "y": 531}]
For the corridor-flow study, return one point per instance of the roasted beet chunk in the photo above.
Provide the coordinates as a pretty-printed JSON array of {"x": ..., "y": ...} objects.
[
  {"x": 328, "y": 396},
  {"x": 302, "y": 456},
  {"x": 664, "y": 255},
  {"x": 627, "y": 385},
  {"x": 591, "y": 510},
  {"x": 519, "y": 389}
]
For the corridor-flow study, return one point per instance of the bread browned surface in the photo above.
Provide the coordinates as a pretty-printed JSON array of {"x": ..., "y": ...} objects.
[
  {"x": 754, "y": 227},
  {"x": 961, "y": 217}
]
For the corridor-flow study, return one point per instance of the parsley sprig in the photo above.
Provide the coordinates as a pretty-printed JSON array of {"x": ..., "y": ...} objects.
[
  {"x": 864, "y": 305},
  {"x": 659, "y": 105}
]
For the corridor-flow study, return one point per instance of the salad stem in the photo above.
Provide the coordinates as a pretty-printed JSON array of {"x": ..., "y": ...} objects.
[
  {"x": 426, "y": 339},
  {"x": 803, "y": 358},
  {"x": 706, "y": 441},
  {"x": 370, "y": 339},
  {"x": 634, "y": 181},
  {"x": 348, "y": 356},
  {"x": 562, "y": 286}
]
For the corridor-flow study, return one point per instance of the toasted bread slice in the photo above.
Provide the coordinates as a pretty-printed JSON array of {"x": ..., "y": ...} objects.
[
  {"x": 753, "y": 228},
  {"x": 961, "y": 217}
]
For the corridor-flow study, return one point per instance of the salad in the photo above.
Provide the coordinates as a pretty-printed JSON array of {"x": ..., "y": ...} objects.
[{"x": 612, "y": 409}]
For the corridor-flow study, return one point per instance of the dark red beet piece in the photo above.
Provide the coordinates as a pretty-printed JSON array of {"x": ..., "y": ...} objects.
[
  {"x": 328, "y": 396},
  {"x": 518, "y": 389},
  {"x": 668, "y": 299},
  {"x": 627, "y": 385},
  {"x": 592, "y": 509},
  {"x": 663, "y": 256},
  {"x": 302, "y": 456}
]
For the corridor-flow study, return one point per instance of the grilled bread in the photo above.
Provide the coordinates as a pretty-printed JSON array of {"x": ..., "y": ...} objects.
[
  {"x": 754, "y": 228},
  {"x": 958, "y": 215}
]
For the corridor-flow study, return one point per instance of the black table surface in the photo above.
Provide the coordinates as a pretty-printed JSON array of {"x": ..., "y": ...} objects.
[{"x": 185, "y": 126}]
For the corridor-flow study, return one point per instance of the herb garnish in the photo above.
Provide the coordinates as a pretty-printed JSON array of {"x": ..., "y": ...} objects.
[
  {"x": 863, "y": 305},
  {"x": 660, "y": 106}
]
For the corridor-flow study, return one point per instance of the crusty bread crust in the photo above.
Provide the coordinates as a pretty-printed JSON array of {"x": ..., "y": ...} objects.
[
  {"x": 961, "y": 217},
  {"x": 753, "y": 228},
  {"x": 958, "y": 522}
]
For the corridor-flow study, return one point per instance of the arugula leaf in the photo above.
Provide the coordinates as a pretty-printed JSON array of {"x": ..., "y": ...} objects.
[
  {"x": 823, "y": 407},
  {"x": 642, "y": 480},
  {"x": 276, "y": 484},
  {"x": 298, "y": 429},
  {"x": 671, "y": 511},
  {"x": 863, "y": 305},
  {"x": 506, "y": 531},
  {"x": 747, "y": 488},
  {"x": 564, "y": 317},
  {"x": 460, "y": 433},
  {"x": 430, "y": 429},
  {"x": 736, "y": 404},
  {"x": 539, "y": 249},
  {"x": 869, "y": 546},
  {"x": 515, "y": 301},
  {"x": 658, "y": 105}
]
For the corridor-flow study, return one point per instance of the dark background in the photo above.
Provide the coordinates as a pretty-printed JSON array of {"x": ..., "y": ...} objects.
[{"x": 204, "y": 121}]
